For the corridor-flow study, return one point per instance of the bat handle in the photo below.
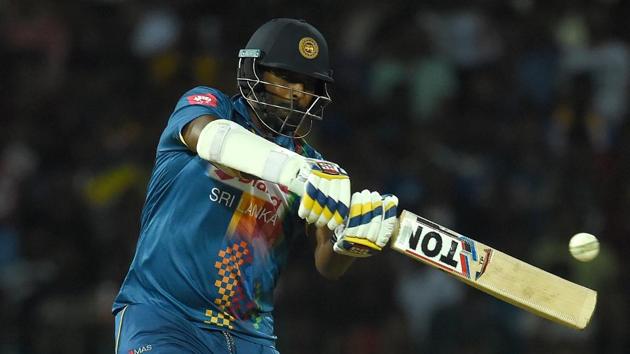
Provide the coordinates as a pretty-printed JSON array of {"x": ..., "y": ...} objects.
[{"x": 396, "y": 231}]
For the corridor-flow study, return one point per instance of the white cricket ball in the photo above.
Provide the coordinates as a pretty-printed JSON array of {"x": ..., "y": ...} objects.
[{"x": 584, "y": 247}]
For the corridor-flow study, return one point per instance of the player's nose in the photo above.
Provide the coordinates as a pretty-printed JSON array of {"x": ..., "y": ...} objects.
[{"x": 297, "y": 90}]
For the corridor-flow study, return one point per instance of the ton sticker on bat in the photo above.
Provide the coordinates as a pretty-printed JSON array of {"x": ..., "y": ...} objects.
[{"x": 432, "y": 244}]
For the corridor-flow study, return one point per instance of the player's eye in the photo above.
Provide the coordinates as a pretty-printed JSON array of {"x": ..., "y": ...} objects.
[
  {"x": 284, "y": 75},
  {"x": 309, "y": 83}
]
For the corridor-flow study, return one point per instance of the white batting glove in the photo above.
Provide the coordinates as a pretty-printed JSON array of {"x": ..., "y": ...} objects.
[
  {"x": 369, "y": 227},
  {"x": 325, "y": 192}
]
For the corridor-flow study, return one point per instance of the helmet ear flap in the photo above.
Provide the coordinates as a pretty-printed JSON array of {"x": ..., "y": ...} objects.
[
  {"x": 248, "y": 76},
  {"x": 245, "y": 71}
]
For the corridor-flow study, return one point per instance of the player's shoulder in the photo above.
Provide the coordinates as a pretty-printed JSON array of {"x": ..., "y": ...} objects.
[
  {"x": 204, "y": 96},
  {"x": 307, "y": 150}
]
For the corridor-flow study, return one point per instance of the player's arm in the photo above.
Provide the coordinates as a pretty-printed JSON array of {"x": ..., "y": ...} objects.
[
  {"x": 367, "y": 230},
  {"x": 329, "y": 264},
  {"x": 323, "y": 187},
  {"x": 192, "y": 130}
]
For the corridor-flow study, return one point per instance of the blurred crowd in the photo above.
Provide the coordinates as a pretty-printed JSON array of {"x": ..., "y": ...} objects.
[{"x": 504, "y": 120}]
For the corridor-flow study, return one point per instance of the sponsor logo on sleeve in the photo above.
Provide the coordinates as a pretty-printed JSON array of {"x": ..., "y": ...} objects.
[{"x": 206, "y": 99}]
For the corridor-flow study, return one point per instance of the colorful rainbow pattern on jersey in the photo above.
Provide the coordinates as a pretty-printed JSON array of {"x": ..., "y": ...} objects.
[{"x": 255, "y": 228}]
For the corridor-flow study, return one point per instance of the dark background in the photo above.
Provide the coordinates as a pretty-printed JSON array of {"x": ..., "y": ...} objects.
[{"x": 504, "y": 120}]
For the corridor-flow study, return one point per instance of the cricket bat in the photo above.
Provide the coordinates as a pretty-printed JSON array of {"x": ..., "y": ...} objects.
[{"x": 494, "y": 272}]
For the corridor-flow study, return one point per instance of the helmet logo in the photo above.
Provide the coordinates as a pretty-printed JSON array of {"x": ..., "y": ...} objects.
[{"x": 308, "y": 48}]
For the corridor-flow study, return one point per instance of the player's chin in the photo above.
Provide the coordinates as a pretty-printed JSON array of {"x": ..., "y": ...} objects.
[{"x": 288, "y": 118}]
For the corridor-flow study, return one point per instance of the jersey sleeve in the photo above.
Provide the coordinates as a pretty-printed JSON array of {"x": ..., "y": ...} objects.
[
  {"x": 193, "y": 104},
  {"x": 307, "y": 150}
]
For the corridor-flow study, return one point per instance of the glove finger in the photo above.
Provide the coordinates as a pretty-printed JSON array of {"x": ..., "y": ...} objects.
[
  {"x": 330, "y": 204},
  {"x": 319, "y": 202},
  {"x": 366, "y": 214},
  {"x": 343, "y": 200},
  {"x": 354, "y": 216},
  {"x": 376, "y": 213},
  {"x": 390, "y": 206},
  {"x": 309, "y": 196}
]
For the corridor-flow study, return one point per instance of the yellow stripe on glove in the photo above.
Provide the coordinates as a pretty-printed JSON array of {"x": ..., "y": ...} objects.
[
  {"x": 326, "y": 196},
  {"x": 369, "y": 226}
]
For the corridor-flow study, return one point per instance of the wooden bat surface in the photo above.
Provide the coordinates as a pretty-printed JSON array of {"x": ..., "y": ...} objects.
[{"x": 494, "y": 272}]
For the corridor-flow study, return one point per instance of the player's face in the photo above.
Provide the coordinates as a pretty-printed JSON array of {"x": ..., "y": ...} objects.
[
  {"x": 290, "y": 87},
  {"x": 289, "y": 95}
]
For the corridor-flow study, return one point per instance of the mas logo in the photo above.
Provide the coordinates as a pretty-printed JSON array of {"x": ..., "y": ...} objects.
[
  {"x": 308, "y": 47},
  {"x": 143, "y": 349}
]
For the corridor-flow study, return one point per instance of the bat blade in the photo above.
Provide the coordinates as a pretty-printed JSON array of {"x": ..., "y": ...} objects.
[{"x": 494, "y": 272}]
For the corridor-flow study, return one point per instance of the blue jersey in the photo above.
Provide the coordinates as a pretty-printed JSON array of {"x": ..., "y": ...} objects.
[{"x": 212, "y": 242}]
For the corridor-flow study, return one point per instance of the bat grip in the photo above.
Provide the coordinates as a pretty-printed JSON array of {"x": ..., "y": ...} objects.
[{"x": 396, "y": 230}]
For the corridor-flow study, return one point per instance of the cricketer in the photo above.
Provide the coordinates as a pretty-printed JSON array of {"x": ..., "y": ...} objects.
[{"x": 234, "y": 182}]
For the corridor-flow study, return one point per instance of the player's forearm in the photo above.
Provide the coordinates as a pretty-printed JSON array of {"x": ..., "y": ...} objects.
[
  {"x": 321, "y": 185},
  {"x": 329, "y": 264},
  {"x": 229, "y": 144}
]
